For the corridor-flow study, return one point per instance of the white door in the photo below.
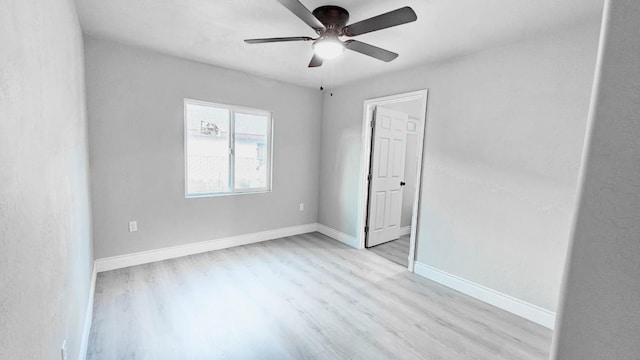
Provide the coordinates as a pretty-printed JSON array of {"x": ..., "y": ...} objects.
[{"x": 387, "y": 172}]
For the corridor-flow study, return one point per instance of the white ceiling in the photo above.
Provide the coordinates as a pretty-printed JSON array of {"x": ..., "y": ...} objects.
[{"x": 212, "y": 31}]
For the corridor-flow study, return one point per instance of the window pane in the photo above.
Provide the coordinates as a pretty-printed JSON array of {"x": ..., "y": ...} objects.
[
  {"x": 251, "y": 151},
  {"x": 207, "y": 149}
]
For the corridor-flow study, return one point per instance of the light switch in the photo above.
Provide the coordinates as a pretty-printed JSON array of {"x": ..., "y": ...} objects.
[{"x": 133, "y": 226}]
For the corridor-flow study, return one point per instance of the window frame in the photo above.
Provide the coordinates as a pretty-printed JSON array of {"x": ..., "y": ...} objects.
[{"x": 233, "y": 109}]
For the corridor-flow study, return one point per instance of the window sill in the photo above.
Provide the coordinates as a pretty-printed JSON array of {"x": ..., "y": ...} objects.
[{"x": 208, "y": 195}]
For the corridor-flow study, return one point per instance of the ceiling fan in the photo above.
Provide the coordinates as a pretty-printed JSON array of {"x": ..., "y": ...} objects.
[{"x": 330, "y": 23}]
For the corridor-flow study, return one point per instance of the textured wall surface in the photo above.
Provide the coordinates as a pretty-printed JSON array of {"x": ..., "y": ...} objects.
[
  {"x": 600, "y": 312},
  {"x": 136, "y": 116},
  {"x": 505, "y": 130},
  {"x": 45, "y": 243}
]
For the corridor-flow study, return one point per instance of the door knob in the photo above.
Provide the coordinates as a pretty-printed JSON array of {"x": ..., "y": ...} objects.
[{"x": 402, "y": 183}]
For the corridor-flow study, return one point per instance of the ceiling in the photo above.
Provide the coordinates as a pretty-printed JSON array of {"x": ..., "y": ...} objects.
[{"x": 212, "y": 31}]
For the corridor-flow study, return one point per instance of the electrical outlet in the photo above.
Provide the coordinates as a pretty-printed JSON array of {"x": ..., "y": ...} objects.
[
  {"x": 63, "y": 350},
  {"x": 301, "y": 207},
  {"x": 133, "y": 226}
]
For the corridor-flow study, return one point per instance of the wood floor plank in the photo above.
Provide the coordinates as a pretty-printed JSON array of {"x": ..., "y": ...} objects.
[
  {"x": 319, "y": 308},
  {"x": 395, "y": 250},
  {"x": 301, "y": 297},
  {"x": 480, "y": 311},
  {"x": 459, "y": 325}
]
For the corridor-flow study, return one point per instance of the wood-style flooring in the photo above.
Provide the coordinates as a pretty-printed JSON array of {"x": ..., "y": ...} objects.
[
  {"x": 395, "y": 250},
  {"x": 300, "y": 297}
]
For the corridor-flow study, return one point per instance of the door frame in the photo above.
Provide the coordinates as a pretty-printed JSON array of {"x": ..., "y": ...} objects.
[{"x": 369, "y": 105}]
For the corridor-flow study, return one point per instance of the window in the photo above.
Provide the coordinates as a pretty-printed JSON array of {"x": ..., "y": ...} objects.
[{"x": 227, "y": 149}]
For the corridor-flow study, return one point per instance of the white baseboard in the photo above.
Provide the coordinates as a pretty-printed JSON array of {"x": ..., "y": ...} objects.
[
  {"x": 88, "y": 317},
  {"x": 405, "y": 230},
  {"x": 340, "y": 236},
  {"x": 145, "y": 257},
  {"x": 505, "y": 302}
]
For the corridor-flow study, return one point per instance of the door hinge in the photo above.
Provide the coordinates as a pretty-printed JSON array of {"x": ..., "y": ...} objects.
[
  {"x": 366, "y": 229},
  {"x": 373, "y": 123},
  {"x": 369, "y": 177}
]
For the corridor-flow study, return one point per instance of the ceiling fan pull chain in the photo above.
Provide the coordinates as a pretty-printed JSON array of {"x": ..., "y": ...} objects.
[{"x": 331, "y": 64}]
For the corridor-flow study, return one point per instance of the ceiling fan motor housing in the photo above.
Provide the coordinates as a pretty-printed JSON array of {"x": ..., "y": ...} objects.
[{"x": 332, "y": 17}]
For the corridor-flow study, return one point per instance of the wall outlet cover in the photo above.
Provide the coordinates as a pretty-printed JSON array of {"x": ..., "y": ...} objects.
[{"x": 133, "y": 226}]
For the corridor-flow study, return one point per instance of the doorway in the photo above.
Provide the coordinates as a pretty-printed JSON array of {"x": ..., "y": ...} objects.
[{"x": 393, "y": 141}]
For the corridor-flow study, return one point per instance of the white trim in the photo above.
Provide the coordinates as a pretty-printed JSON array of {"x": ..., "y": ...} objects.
[
  {"x": 88, "y": 316},
  {"x": 340, "y": 236},
  {"x": 415, "y": 215},
  {"x": 505, "y": 302},
  {"x": 365, "y": 155},
  {"x": 596, "y": 90},
  {"x": 405, "y": 230},
  {"x": 145, "y": 257}
]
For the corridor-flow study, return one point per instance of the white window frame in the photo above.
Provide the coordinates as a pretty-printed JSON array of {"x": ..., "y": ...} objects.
[{"x": 269, "y": 149}]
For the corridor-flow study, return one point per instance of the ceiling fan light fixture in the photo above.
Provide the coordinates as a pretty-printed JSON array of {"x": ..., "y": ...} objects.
[{"x": 329, "y": 47}]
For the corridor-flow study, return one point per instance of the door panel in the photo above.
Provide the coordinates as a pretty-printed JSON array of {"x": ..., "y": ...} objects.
[
  {"x": 398, "y": 157},
  {"x": 395, "y": 203},
  {"x": 380, "y": 210},
  {"x": 387, "y": 169},
  {"x": 383, "y": 149}
]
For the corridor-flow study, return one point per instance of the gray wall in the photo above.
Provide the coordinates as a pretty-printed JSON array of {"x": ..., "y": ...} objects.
[
  {"x": 600, "y": 311},
  {"x": 135, "y": 103},
  {"x": 505, "y": 130},
  {"x": 45, "y": 230}
]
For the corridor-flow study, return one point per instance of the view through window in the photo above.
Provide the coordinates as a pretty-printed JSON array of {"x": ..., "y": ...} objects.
[{"x": 228, "y": 149}]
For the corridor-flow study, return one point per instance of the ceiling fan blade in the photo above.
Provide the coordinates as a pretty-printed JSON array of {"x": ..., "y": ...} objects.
[
  {"x": 373, "y": 51},
  {"x": 315, "y": 61},
  {"x": 392, "y": 18},
  {"x": 278, "y": 39},
  {"x": 303, "y": 13}
]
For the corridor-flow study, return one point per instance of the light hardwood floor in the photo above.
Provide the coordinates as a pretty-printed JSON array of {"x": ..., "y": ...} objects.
[
  {"x": 301, "y": 297},
  {"x": 396, "y": 250}
]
